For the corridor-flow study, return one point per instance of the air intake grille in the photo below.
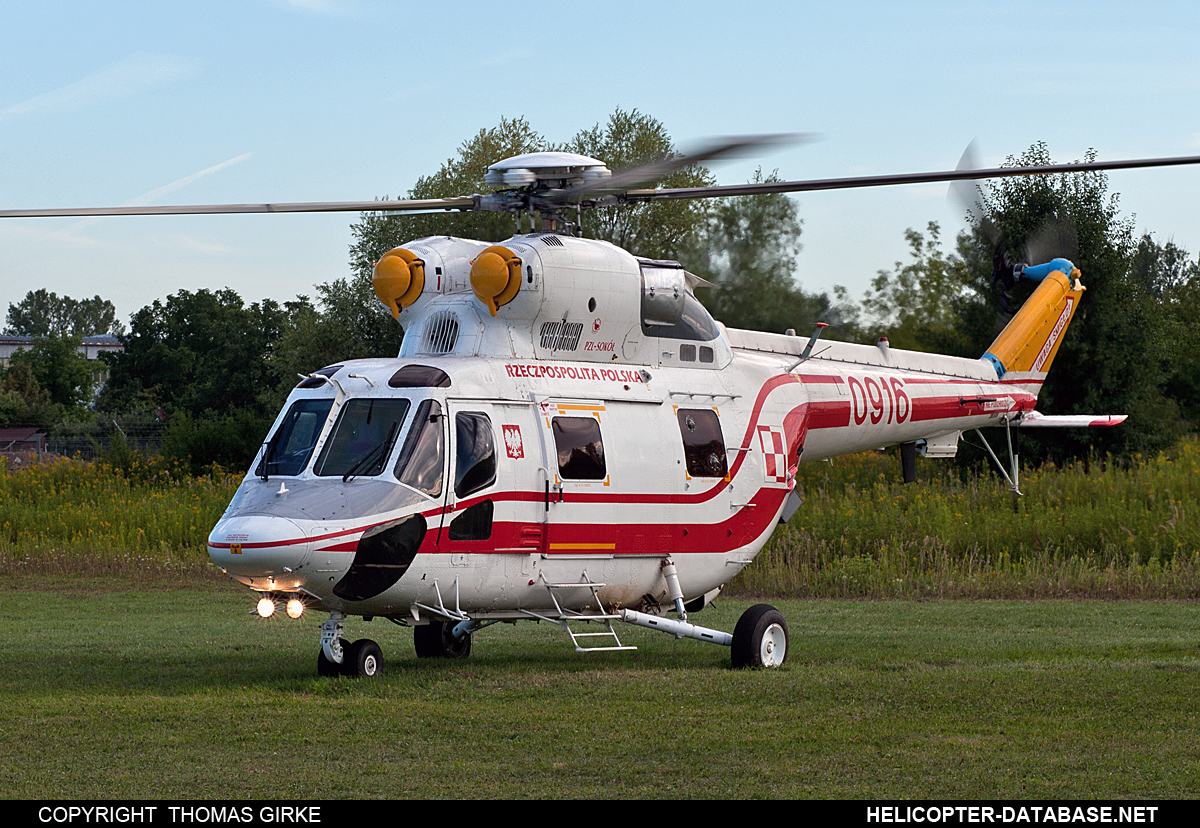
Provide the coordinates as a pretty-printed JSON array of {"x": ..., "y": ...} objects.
[
  {"x": 561, "y": 336},
  {"x": 441, "y": 333}
]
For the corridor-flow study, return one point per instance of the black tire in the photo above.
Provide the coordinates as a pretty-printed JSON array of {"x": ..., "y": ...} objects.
[
  {"x": 760, "y": 638},
  {"x": 363, "y": 659},
  {"x": 349, "y": 656},
  {"x": 435, "y": 640},
  {"x": 325, "y": 667}
]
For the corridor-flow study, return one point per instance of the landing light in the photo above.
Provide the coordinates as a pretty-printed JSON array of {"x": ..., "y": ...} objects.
[
  {"x": 265, "y": 607},
  {"x": 295, "y": 608}
]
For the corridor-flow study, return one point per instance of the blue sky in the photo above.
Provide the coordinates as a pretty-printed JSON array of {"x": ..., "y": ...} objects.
[{"x": 316, "y": 100}]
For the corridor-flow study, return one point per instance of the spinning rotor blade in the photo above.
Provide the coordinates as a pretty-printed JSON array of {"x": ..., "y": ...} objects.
[
  {"x": 730, "y": 147},
  {"x": 614, "y": 190},
  {"x": 425, "y": 205},
  {"x": 723, "y": 191},
  {"x": 966, "y": 193},
  {"x": 1055, "y": 238}
]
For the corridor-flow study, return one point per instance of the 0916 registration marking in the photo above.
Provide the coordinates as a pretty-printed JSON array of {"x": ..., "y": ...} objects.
[{"x": 879, "y": 397}]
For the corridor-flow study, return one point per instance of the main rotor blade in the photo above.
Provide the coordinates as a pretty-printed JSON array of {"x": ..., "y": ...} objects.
[
  {"x": 724, "y": 191},
  {"x": 729, "y": 147},
  {"x": 407, "y": 206}
]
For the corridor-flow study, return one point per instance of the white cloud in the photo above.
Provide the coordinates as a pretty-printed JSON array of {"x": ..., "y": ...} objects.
[
  {"x": 135, "y": 74},
  {"x": 157, "y": 193}
]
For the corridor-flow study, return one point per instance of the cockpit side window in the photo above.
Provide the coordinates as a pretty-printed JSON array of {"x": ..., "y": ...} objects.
[
  {"x": 362, "y": 437},
  {"x": 475, "y": 467},
  {"x": 703, "y": 444},
  {"x": 695, "y": 324},
  {"x": 420, "y": 463},
  {"x": 288, "y": 450}
]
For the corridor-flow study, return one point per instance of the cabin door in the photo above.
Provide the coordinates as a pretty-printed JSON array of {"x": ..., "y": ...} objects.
[{"x": 492, "y": 500}]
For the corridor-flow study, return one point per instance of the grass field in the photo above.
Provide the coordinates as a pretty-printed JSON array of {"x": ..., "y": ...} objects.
[
  {"x": 1101, "y": 529},
  {"x": 118, "y": 692},
  {"x": 130, "y": 670}
]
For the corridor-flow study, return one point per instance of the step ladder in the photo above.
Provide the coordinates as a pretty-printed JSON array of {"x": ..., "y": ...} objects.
[{"x": 565, "y": 617}]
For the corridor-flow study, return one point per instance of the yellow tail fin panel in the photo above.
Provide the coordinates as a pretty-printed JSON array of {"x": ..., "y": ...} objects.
[{"x": 1029, "y": 342}]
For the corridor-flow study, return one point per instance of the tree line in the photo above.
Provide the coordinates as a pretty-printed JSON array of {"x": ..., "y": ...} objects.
[{"x": 217, "y": 370}]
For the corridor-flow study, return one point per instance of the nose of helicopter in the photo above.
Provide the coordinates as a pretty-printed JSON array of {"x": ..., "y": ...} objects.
[{"x": 260, "y": 551}]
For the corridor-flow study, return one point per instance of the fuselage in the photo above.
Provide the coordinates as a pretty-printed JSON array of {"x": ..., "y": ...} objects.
[{"x": 479, "y": 469}]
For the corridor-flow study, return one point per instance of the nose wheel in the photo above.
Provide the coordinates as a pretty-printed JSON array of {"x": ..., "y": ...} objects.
[{"x": 361, "y": 659}]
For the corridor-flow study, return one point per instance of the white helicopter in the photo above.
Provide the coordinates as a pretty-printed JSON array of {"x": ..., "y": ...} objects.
[{"x": 568, "y": 436}]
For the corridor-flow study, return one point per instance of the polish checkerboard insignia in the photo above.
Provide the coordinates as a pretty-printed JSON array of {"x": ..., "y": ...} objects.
[{"x": 774, "y": 449}]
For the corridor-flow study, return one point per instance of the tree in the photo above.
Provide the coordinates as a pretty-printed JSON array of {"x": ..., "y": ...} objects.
[
  {"x": 42, "y": 313},
  {"x": 1112, "y": 358},
  {"x": 658, "y": 230},
  {"x": 1166, "y": 272},
  {"x": 198, "y": 352},
  {"x": 347, "y": 325},
  {"x": 23, "y": 400},
  {"x": 747, "y": 248},
  {"x": 377, "y": 233},
  {"x": 928, "y": 303},
  {"x": 60, "y": 370},
  {"x": 626, "y": 140}
]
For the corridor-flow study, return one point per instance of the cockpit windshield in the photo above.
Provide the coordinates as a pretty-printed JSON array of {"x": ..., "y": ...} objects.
[
  {"x": 362, "y": 438},
  {"x": 288, "y": 451}
]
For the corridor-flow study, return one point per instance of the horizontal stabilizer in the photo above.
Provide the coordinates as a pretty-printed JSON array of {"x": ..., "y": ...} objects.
[{"x": 1033, "y": 419}]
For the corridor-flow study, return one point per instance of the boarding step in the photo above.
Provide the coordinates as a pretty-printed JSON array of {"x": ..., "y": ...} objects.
[{"x": 565, "y": 617}]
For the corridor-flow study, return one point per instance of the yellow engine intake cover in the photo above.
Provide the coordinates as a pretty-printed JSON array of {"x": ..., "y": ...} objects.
[
  {"x": 399, "y": 279},
  {"x": 496, "y": 277}
]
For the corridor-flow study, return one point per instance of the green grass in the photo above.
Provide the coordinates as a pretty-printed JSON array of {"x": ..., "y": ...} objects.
[
  {"x": 112, "y": 691},
  {"x": 1101, "y": 529}
]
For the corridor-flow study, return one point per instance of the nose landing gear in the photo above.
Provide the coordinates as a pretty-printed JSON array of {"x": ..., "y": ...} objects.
[{"x": 362, "y": 659}]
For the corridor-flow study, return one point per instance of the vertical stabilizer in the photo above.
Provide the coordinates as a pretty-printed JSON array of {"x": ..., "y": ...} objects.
[{"x": 1023, "y": 351}]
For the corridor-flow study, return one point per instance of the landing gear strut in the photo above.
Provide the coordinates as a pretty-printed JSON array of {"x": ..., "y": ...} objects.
[{"x": 362, "y": 659}]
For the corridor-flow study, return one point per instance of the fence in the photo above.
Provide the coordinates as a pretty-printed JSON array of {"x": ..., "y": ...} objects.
[{"x": 85, "y": 440}]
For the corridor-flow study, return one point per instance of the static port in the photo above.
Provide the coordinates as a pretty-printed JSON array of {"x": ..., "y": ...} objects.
[
  {"x": 295, "y": 608},
  {"x": 266, "y": 607}
]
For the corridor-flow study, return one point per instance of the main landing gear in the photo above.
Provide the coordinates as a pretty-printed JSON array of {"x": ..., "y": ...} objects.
[
  {"x": 760, "y": 638},
  {"x": 360, "y": 659},
  {"x": 437, "y": 640}
]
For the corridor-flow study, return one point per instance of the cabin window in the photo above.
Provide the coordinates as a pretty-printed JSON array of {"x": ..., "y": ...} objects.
[
  {"x": 474, "y": 523},
  {"x": 687, "y": 353},
  {"x": 362, "y": 438},
  {"x": 580, "y": 449},
  {"x": 420, "y": 463},
  {"x": 288, "y": 451},
  {"x": 419, "y": 376},
  {"x": 475, "y": 466},
  {"x": 706, "y": 353},
  {"x": 703, "y": 445}
]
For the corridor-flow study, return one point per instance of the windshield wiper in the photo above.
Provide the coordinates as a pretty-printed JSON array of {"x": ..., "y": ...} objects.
[
  {"x": 266, "y": 461},
  {"x": 385, "y": 446}
]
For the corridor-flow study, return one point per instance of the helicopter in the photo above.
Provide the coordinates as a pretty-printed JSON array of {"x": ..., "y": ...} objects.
[{"x": 567, "y": 435}]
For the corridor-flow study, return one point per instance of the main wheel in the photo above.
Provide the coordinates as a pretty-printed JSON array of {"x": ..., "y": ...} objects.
[
  {"x": 435, "y": 640},
  {"x": 325, "y": 667},
  {"x": 760, "y": 638},
  {"x": 362, "y": 659}
]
